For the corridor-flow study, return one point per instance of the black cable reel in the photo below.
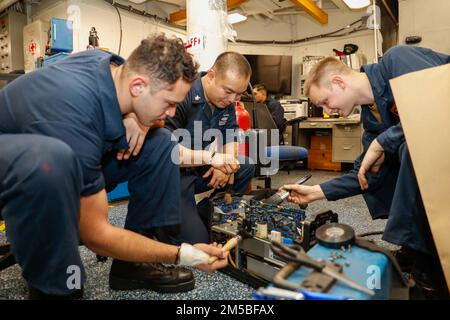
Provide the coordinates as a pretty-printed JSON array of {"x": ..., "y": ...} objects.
[{"x": 335, "y": 235}]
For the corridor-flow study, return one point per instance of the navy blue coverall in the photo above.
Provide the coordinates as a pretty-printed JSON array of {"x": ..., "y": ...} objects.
[
  {"x": 60, "y": 128},
  {"x": 190, "y": 114},
  {"x": 393, "y": 191}
]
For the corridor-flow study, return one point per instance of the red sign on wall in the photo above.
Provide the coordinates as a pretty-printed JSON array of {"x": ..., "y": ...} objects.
[
  {"x": 196, "y": 42},
  {"x": 32, "y": 48}
]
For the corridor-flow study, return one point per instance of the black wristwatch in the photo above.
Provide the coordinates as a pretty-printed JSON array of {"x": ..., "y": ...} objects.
[{"x": 177, "y": 259}]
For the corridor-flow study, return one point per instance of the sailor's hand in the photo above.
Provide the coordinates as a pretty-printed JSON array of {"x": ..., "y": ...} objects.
[
  {"x": 218, "y": 179},
  {"x": 135, "y": 133},
  {"x": 225, "y": 162},
  {"x": 303, "y": 195},
  {"x": 212, "y": 250}
]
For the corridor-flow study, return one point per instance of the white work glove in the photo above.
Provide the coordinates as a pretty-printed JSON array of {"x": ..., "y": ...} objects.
[{"x": 191, "y": 256}]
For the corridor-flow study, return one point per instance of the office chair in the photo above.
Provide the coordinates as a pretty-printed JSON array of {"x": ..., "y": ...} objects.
[{"x": 288, "y": 156}]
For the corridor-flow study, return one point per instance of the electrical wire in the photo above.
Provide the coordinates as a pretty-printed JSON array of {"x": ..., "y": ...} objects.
[
  {"x": 231, "y": 260},
  {"x": 333, "y": 34},
  {"x": 121, "y": 32},
  {"x": 165, "y": 21},
  {"x": 144, "y": 14},
  {"x": 16, "y": 7},
  {"x": 368, "y": 234}
]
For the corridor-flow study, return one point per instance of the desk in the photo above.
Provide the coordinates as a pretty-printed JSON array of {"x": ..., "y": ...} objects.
[{"x": 346, "y": 136}]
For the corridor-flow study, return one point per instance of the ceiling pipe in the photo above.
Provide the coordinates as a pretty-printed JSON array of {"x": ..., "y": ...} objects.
[
  {"x": 6, "y": 3},
  {"x": 389, "y": 11}
]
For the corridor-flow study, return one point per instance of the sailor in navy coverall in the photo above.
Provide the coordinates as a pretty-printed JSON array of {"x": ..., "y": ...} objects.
[
  {"x": 60, "y": 130},
  {"x": 386, "y": 179},
  {"x": 210, "y": 103},
  {"x": 274, "y": 106}
]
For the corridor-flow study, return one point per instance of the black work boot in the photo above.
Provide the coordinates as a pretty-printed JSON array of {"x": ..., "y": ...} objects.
[
  {"x": 35, "y": 294},
  {"x": 154, "y": 276},
  {"x": 429, "y": 279}
]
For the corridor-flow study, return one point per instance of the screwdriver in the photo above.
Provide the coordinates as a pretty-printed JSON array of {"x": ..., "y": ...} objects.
[
  {"x": 227, "y": 247},
  {"x": 280, "y": 196}
]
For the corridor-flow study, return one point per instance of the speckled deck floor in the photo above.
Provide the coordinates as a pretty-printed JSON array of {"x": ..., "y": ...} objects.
[{"x": 217, "y": 286}]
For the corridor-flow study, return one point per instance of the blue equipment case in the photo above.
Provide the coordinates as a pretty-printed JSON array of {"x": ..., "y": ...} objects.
[
  {"x": 61, "y": 40},
  {"x": 371, "y": 269},
  {"x": 363, "y": 266},
  {"x": 61, "y": 35}
]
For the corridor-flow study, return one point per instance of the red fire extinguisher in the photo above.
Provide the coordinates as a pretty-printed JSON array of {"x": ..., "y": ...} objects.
[{"x": 243, "y": 120}]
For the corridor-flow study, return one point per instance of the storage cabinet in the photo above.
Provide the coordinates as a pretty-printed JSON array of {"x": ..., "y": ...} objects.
[
  {"x": 320, "y": 154},
  {"x": 346, "y": 142}
]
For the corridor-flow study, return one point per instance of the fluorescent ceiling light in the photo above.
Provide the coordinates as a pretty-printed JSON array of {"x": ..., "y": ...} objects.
[
  {"x": 357, "y": 4},
  {"x": 235, "y": 18}
]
